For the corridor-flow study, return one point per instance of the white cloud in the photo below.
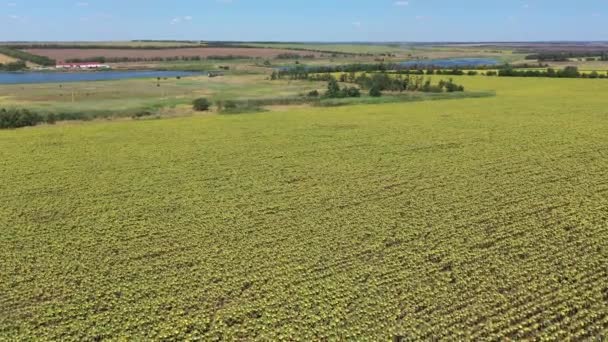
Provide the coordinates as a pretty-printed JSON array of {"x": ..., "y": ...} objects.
[
  {"x": 357, "y": 24},
  {"x": 402, "y": 3},
  {"x": 178, "y": 20},
  {"x": 82, "y": 4}
]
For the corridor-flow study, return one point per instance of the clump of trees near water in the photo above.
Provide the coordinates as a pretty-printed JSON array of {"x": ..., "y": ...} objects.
[{"x": 378, "y": 82}]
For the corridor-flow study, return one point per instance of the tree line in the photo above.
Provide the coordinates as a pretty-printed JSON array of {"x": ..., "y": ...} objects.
[
  {"x": 565, "y": 56},
  {"x": 567, "y": 72},
  {"x": 289, "y": 55},
  {"x": 25, "y": 56},
  {"x": 97, "y": 46},
  {"x": 322, "y": 73},
  {"x": 378, "y": 82},
  {"x": 301, "y": 72}
]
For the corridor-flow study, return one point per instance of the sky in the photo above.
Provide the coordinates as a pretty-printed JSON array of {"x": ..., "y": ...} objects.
[{"x": 310, "y": 20}]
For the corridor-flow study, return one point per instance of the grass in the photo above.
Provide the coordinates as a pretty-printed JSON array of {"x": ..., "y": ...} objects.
[
  {"x": 122, "y": 98},
  {"x": 6, "y": 59},
  {"x": 471, "y": 219}
]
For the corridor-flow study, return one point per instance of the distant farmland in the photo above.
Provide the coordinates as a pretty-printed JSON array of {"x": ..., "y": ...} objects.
[{"x": 63, "y": 54}]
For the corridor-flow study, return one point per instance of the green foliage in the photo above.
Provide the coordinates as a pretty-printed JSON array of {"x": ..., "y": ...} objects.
[
  {"x": 567, "y": 72},
  {"x": 335, "y": 92},
  {"x": 16, "y": 118},
  {"x": 333, "y": 89},
  {"x": 201, "y": 104},
  {"x": 25, "y": 56},
  {"x": 313, "y": 93},
  {"x": 375, "y": 91}
]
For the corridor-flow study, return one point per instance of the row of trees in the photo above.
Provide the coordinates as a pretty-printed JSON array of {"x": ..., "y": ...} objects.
[
  {"x": 294, "y": 56},
  {"x": 161, "y": 46},
  {"x": 564, "y": 56},
  {"x": 380, "y": 82},
  {"x": 25, "y": 56},
  {"x": 301, "y": 72},
  {"x": 567, "y": 72}
]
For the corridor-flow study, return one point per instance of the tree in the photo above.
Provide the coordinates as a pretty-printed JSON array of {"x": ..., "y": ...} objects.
[
  {"x": 201, "y": 105},
  {"x": 333, "y": 89},
  {"x": 570, "y": 71},
  {"x": 352, "y": 92},
  {"x": 375, "y": 91}
]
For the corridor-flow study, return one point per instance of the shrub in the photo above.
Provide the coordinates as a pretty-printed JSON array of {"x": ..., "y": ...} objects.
[
  {"x": 15, "y": 118},
  {"x": 313, "y": 93},
  {"x": 51, "y": 119},
  {"x": 201, "y": 105},
  {"x": 229, "y": 105},
  {"x": 333, "y": 89},
  {"x": 352, "y": 92},
  {"x": 375, "y": 91},
  {"x": 141, "y": 114}
]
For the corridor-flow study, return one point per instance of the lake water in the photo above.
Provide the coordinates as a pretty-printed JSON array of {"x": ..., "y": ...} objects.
[
  {"x": 64, "y": 77},
  {"x": 451, "y": 62}
]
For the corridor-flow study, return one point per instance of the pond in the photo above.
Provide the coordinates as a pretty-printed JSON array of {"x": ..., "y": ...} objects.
[{"x": 64, "y": 77}]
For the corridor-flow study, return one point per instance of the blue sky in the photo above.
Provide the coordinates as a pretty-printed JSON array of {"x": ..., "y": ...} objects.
[{"x": 311, "y": 20}]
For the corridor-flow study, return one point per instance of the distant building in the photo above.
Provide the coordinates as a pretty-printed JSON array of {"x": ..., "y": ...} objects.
[{"x": 82, "y": 66}]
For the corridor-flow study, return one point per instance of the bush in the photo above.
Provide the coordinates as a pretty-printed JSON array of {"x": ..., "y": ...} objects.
[
  {"x": 375, "y": 91},
  {"x": 352, "y": 92},
  {"x": 141, "y": 114},
  {"x": 51, "y": 119},
  {"x": 201, "y": 105},
  {"x": 15, "y": 118},
  {"x": 229, "y": 105},
  {"x": 313, "y": 93}
]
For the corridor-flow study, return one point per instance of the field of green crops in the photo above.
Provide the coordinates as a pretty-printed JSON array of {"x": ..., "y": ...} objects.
[{"x": 467, "y": 219}]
